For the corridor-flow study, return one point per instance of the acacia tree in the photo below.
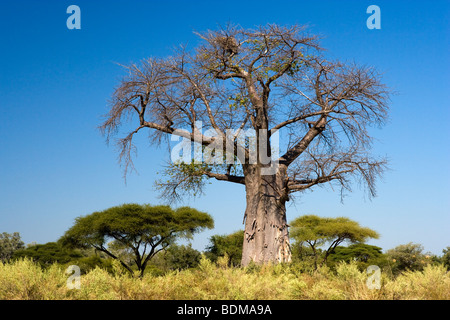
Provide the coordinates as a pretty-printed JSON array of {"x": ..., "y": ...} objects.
[
  {"x": 144, "y": 230},
  {"x": 318, "y": 232},
  {"x": 275, "y": 81}
]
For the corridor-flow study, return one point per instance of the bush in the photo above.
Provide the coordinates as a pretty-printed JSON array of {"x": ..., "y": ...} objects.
[
  {"x": 445, "y": 259},
  {"x": 182, "y": 257},
  {"x": 363, "y": 254},
  {"x": 87, "y": 264},
  {"x": 48, "y": 254},
  {"x": 229, "y": 245},
  {"x": 25, "y": 279},
  {"x": 433, "y": 283},
  {"x": 407, "y": 257}
]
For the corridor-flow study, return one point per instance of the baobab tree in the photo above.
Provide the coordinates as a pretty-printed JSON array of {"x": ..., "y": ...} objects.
[{"x": 275, "y": 81}]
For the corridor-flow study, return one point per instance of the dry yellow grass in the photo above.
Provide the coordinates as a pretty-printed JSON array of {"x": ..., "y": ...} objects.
[{"x": 25, "y": 280}]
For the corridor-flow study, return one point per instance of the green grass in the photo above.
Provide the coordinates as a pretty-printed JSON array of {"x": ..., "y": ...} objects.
[{"x": 24, "y": 279}]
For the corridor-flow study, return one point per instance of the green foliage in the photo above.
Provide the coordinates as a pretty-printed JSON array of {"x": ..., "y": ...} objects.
[
  {"x": 89, "y": 263},
  {"x": 238, "y": 101},
  {"x": 48, "y": 254},
  {"x": 316, "y": 232},
  {"x": 182, "y": 257},
  {"x": 311, "y": 227},
  {"x": 9, "y": 243},
  {"x": 408, "y": 256},
  {"x": 183, "y": 178},
  {"x": 144, "y": 229},
  {"x": 356, "y": 252},
  {"x": 190, "y": 178},
  {"x": 445, "y": 259},
  {"x": 304, "y": 258},
  {"x": 229, "y": 245},
  {"x": 362, "y": 254},
  {"x": 130, "y": 223},
  {"x": 26, "y": 280},
  {"x": 176, "y": 257}
]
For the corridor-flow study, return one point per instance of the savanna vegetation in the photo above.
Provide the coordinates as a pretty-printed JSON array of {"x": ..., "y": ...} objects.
[
  {"x": 334, "y": 267},
  {"x": 268, "y": 80},
  {"x": 24, "y": 279}
]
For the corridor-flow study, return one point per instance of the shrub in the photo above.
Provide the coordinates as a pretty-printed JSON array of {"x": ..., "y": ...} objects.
[
  {"x": 433, "y": 283},
  {"x": 48, "y": 254},
  {"x": 24, "y": 279}
]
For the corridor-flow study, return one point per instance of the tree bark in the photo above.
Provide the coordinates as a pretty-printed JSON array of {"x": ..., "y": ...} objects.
[{"x": 266, "y": 236}]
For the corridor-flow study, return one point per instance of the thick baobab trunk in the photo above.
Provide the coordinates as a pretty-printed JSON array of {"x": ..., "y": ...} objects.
[{"x": 266, "y": 237}]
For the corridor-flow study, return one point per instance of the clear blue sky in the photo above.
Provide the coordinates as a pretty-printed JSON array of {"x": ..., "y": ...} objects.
[{"x": 55, "y": 83}]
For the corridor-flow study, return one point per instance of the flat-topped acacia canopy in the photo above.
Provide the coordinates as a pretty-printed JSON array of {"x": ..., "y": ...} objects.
[{"x": 144, "y": 229}]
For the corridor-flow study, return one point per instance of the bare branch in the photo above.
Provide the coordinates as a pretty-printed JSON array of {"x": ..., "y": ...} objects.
[
  {"x": 271, "y": 78},
  {"x": 340, "y": 167}
]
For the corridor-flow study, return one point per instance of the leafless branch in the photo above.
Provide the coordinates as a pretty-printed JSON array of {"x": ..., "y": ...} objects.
[{"x": 271, "y": 78}]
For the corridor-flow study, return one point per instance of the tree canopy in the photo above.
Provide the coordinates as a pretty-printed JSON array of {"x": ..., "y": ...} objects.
[
  {"x": 144, "y": 229},
  {"x": 318, "y": 231},
  {"x": 360, "y": 252},
  {"x": 48, "y": 253}
]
